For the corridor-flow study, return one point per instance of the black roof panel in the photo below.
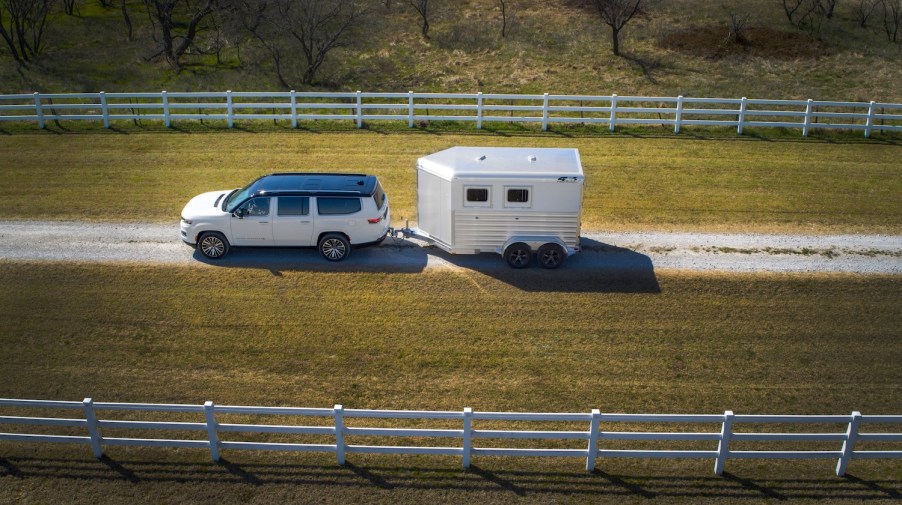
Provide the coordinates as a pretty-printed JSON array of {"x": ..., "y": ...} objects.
[{"x": 351, "y": 184}]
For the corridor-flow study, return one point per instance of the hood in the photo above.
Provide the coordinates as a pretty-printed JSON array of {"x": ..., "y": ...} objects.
[{"x": 205, "y": 204}]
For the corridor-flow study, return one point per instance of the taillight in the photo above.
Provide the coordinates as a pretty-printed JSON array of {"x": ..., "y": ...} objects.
[{"x": 374, "y": 220}]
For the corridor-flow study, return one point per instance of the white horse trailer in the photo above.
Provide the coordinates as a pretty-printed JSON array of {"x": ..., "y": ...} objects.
[{"x": 517, "y": 202}]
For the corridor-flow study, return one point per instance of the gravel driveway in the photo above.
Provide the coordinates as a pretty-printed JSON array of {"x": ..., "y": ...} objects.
[{"x": 159, "y": 244}]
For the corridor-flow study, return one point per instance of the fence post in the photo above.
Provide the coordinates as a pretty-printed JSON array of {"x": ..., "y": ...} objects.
[
  {"x": 479, "y": 110},
  {"x": 593, "y": 440},
  {"x": 104, "y": 110},
  {"x": 679, "y": 114},
  {"x": 723, "y": 447},
  {"x": 410, "y": 109},
  {"x": 849, "y": 443},
  {"x": 39, "y": 110},
  {"x": 229, "y": 108},
  {"x": 468, "y": 436},
  {"x": 339, "y": 434},
  {"x": 743, "y": 106},
  {"x": 613, "y": 111},
  {"x": 545, "y": 112},
  {"x": 294, "y": 109},
  {"x": 93, "y": 430},
  {"x": 870, "y": 121},
  {"x": 359, "y": 111},
  {"x": 211, "y": 430},
  {"x": 166, "y": 119},
  {"x": 807, "y": 118}
]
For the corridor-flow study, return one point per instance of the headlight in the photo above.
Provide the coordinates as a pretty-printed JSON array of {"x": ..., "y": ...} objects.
[{"x": 186, "y": 221}]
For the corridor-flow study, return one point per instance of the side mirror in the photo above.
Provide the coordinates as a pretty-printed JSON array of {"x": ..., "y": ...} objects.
[{"x": 239, "y": 213}]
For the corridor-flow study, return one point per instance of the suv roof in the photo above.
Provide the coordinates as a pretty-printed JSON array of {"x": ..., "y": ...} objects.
[{"x": 300, "y": 183}]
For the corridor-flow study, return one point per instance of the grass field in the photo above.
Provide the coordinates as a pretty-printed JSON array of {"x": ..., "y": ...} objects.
[
  {"x": 690, "y": 343},
  {"x": 696, "y": 181}
]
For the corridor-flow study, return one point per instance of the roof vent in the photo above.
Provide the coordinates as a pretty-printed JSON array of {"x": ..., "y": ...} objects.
[
  {"x": 531, "y": 158},
  {"x": 481, "y": 158}
]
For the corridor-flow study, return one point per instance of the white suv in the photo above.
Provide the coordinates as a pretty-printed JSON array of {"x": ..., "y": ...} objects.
[{"x": 330, "y": 211}]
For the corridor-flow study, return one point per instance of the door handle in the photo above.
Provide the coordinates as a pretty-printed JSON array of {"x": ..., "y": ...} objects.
[
  {"x": 264, "y": 222},
  {"x": 305, "y": 222}
]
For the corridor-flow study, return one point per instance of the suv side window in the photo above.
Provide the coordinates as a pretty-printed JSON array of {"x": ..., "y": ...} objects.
[
  {"x": 294, "y": 205},
  {"x": 256, "y": 207},
  {"x": 337, "y": 206}
]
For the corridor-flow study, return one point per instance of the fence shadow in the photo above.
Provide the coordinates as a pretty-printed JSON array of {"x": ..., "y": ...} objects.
[{"x": 107, "y": 475}]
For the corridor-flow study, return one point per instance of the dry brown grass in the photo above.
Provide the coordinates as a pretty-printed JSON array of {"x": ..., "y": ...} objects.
[{"x": 553, "y": 341}]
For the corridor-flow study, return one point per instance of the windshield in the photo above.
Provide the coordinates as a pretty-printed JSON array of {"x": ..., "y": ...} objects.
[{"x": 236, "y": 197}]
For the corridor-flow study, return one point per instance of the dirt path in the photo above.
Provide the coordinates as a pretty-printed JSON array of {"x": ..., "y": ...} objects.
[{"x": 159, "y": 244}]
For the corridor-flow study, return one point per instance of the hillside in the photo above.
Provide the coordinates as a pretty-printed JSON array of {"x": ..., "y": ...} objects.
[{"x": 677, "y": 47}]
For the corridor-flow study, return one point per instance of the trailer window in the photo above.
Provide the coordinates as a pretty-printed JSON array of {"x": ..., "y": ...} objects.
[
  {"x": 477, "y": 196},
  {"x": 517, "y": 197}
]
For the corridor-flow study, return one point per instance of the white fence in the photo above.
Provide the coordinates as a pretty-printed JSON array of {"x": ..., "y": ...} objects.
[
  {"x": 479, "y": 108},
  {"x": 333, "y": 425}
]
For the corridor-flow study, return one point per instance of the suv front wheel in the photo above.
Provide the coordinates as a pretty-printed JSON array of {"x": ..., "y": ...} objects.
[
  {"x": 213, "y": 245},
  {"x": 334, "y": 247}
]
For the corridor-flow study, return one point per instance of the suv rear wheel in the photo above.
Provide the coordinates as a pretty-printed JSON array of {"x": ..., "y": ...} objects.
[{"x": 334, "y": 247}]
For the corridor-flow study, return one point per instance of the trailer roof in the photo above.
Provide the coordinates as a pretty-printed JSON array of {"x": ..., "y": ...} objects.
[{"x": 503, "y": 161}]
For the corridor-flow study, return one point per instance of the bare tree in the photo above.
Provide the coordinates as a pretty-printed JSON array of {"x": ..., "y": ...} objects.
[
  {"x": 863, "y": 10},
  {"x": 808, "y": 14},
  {"x": 503, "y": 19},
  {"x": 23, "y": 32},
  {"x": 69, "y": 7},
  {"x": 127, "y": 19},
  {"x": 738, "y": 23},
  {"x": 892, "y": 19},
  {"x": 422, "y": 8},
  {"x": 168, "y": 15},
  {"x": 616, "y": 14},
  {"x": 310, "y": 28},
  {"x": 798, "y": 12}
]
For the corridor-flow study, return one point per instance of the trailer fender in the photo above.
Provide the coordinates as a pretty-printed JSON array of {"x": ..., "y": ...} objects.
[{"x": 534, "y": 242}]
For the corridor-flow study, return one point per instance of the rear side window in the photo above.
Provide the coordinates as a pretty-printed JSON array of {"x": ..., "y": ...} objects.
[
  {"x": 337, "y": 206},
  {"x": 379, "y": 196},
  {"x": 294, "y": 205}
]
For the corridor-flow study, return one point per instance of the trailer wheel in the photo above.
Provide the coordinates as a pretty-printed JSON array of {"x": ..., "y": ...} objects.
[
  {"x": 334, "y": 247},
  {"x": 551, "y": 255},
  {"x": 518, "y": 255}
]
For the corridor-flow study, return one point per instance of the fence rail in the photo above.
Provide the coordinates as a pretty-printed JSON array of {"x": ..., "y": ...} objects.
[
  {"x": 544, "y": 109},
  {"x": 593, "y": 440}
]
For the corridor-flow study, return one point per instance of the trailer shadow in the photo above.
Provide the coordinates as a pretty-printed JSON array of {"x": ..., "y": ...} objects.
[{"x": 599, "y": 268}]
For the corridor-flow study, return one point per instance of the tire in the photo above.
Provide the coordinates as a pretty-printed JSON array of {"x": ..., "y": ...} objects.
[
  {"x": 551, "y": 255},
  {"x": 334, "y": 247},
  {"x": 213, "y": 245},
  {"x": 518, "y": 255}
]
